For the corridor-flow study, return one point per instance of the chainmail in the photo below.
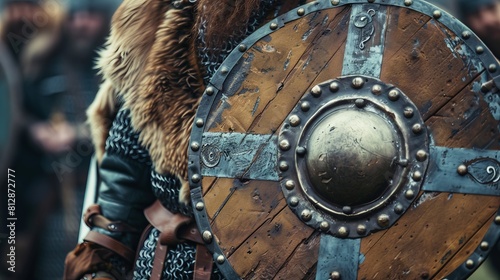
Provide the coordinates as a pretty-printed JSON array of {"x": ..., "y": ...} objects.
[
  {"x": 212, "y": 58},
  {"x": 124, "y": 141},
  {"x": 179, "y": 264},
  {"x": 166, "y": 189}
]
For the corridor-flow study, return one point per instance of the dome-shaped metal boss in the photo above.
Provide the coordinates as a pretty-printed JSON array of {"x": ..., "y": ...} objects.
[
  {"x": 497, "y": 220},
  {"x": 221, "y": 259},
  {"x": 466, "y": 35},
  {"x": 361, "y": 229},
  {"x": 492, "y": 68},
  {"x": 301, "y": 151},
  {"x": 224, "y": 70},
  {"x": 417, "y": 176},
  {"x": 305, "y": 106},
  {"x": 273, "y": 26},
  {"x": 398, "y": 209},
  {"x": 484, "y": 246},
  {"x": 408, "y": 2},
  {"x": 479, "y": 50},
  {"x": 301, "y": 11},
  {"x": 324, "y": 226},
  {"x": 409, "y": 194},
  {"x": 408, "y": 112},
  {"x": 284, "y": 166},
  {"x": 335, "y": 275},
  {"x": 196, "y": 178},
  {"x": 417, "y": 128},
  {"x": 421, "y": 155},
  {"x": 393, "y": 95},
  {"x": 470, "y": 264},
  {"x": 294, "y": 201},
  {"x": 360, "y": 103},
  {"x": 335, "y": 2},
  {"x": 242, "y": 47}
]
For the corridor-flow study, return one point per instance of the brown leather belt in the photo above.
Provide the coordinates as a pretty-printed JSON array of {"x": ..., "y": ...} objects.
[{"x": 175, "y": 229}]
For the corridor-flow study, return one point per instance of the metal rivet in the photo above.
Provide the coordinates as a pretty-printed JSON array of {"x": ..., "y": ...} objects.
[
  {"x": 347, "y": 210},
  {"x": 497, "y": 220},
  {"x": 469, "y": 263},
  {"x": 301, "y": 151},
  {"x": 334, "y": 87},
  {"x": 393, "y": 95},
  {"x": 284, "y": 166},
  {"x": 383, "y": 220},
  {"x": 195, "y": 146},
  {"x": 294, "y": 201},
  {"x": 316, "y": 91},
  {"x": 421, "y": 155},
  {"x": 436, "y": 14},
  {"x": 462, "y": 169},
  {"x": 358, "y": 82},
  {"x": 409, "y": 194},
  {"x": 466, "y": 35},
  {"x": 284, "y": 145},
  {"x": 207, "y": 236},
  {"x": 408, "y": 2},
  {"x": 343, "y": 232},
  {"x": 417, "y": 176},
  {"x": 224, "y": 70},
  {"x": 294, "y": 120},
  {"x": 301, "y": 11},
  {"x": 112, "y": 227},
  {"x": 306, "y": 215},
  {"x": 403, "y": 162},
  {"x": 273, "y": 26},
  {"x": 335, "y": 275},
  {"x": 305, "y": 106},
  {"x": 417, "y": 128},
  {"x": 376, "y": 89},
  {"x": 196, "y": 178},
  {"x": 398, "y": 208},
  {"x": 479, "y": 49},
  {"x": 484, "y": 246},
  {"x": 221, "y": 259},
  {"x": 360, "y": 103},
  {"x": 242, "y": 47},
  {"x": 200, "y": 206},
  {"x": 200, "y": 122},
  {"x": 324, "y": 226},
  {"x": 210, "y": 91},
  {"x": 492, "y": 68},
  {"x": 408, "y": 112},
  {"x": 361, "y": 229},
  {"x": 290, "y": 185},
  {"x": 335, "y": 2}
]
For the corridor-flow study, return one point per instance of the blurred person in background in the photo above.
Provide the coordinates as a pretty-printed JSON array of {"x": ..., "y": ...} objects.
[
  {"x": 483, "y": 17},
  {"x": 53, "y": 152}
]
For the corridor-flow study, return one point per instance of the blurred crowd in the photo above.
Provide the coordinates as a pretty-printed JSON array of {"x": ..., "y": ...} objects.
[{"x": 47, "y": 54}]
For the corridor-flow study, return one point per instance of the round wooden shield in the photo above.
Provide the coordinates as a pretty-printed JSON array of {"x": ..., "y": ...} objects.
[{"x": 350, "y": 140}]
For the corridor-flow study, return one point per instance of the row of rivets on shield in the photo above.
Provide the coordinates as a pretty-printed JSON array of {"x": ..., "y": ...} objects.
[
  {"x": 383, "y": 220},
  {"x": 436, "y": 14},
  {"x": 484, "y": 246}
]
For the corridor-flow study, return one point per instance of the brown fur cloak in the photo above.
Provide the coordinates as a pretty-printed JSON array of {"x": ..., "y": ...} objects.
[{"x": 150, "y": 61}]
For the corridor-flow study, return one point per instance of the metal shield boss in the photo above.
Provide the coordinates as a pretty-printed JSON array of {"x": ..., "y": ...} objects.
[{"x": 350, "y": 140}]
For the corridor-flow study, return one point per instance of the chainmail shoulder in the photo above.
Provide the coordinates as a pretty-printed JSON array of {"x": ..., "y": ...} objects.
[
  {"x": 179, "y": 264},
  {"x": 166, "y": 189},
  {"x": 124, "y": 141}
]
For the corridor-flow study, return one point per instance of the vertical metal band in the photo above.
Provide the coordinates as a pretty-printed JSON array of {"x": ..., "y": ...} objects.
[
  {"x": 338, "y": 258},
  {"x": 365, "y": 40}
]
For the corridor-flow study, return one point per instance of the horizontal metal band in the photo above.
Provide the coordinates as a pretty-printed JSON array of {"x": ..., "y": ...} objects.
[
  {"x": 463, "y": 171},
  {"x": 238, "y": 155},
  {"x": 338, "y": 258}
]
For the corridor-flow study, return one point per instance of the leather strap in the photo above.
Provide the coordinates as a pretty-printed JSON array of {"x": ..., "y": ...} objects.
[
  {"x": 111, "y": 244},
  {"x": 144, "y": 235},
  {"x": 93, "y": 218},
  {"x": 159, "y": 261},
  {"x": 167, "y": 223},
  {"x": 203, "y": 263}
]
